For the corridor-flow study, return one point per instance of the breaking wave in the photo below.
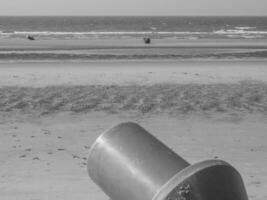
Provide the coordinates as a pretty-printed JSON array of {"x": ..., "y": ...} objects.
[
  {"x": 238, "y": 32},
  {"x": 242, "y": 32}
]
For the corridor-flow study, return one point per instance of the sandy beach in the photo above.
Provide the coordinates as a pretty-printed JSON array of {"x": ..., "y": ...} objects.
[
  {"x": 113, "y": 43},
  {"x": 40, "y": 74},
  {"x": 45, "y": 157},
  {"x": 51, "y": 113}
]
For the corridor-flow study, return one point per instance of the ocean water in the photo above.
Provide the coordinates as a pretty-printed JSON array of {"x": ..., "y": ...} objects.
[
  {"x": 133, "y": 27},
  {"x": 78, "y": 29}
]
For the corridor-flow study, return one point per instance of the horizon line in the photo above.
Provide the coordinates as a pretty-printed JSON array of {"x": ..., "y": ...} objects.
[{"x": 133, "y": 15}]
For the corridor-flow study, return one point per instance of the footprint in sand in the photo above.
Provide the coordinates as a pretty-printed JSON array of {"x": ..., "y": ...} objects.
[
  {"x": 46, "y": 132},
  {"x": 251, "y": 196},
  {"x": 75, "y": 156},
  {"x": 28, "y": 149},
  {"x": 257, "y": 183},
  {"x": 82, "y": 165}
]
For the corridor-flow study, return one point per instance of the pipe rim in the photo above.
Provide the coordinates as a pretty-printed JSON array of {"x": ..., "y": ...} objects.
[{"x": 184, "y": 174}]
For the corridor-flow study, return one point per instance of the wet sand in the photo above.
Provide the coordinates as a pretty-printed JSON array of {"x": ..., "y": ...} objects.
[
  {"x": 62, "y": 44},
  {"x": 96, "y": 49}
]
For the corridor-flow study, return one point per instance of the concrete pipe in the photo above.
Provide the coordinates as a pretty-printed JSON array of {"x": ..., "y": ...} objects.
[{"x": 128, "y": 163}]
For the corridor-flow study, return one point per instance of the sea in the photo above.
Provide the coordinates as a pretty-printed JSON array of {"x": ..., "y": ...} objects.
[
  {"x": 68, "y": 27},
  {"x": 175, "y": 28}
]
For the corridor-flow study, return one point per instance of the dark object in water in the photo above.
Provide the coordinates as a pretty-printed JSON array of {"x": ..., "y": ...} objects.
[
  {"x": 127, "y": 162},
  {"x": 30, "y": 37},
  {"x": 147, "y": 40}
]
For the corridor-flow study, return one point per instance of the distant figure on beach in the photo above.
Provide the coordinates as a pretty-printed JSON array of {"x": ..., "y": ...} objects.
[
  {"x": 30, "y": 37},
  {"x": 147, "y": 40}
]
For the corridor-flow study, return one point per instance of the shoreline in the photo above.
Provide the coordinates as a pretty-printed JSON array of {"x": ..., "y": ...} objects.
[{"x": 131, "y": 49}]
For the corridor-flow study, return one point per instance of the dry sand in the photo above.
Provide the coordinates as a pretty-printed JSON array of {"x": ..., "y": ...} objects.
[
  {"x": 128, "y": 73},
  {"x": 44, "y": 156}
]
